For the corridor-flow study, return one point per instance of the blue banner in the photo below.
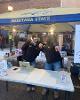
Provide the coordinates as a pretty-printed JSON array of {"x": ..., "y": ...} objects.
[{"x": 42, "y": 19}]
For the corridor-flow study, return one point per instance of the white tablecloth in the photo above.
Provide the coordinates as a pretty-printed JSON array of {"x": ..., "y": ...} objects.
[{"x": 40, "y": 77}]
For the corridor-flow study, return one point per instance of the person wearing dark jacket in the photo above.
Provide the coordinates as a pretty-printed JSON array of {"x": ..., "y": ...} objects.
[
  {"x": 30, "y": 50},
  {"x": 53, "y": 58},
  {"x": 53, "y": 61}
]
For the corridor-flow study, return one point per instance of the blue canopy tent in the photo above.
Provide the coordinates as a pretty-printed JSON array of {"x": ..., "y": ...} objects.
[{"x": 40, "y": 16}]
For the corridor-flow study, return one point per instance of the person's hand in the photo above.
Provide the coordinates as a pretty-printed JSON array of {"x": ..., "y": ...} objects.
[{"x": 40, "y": 45}]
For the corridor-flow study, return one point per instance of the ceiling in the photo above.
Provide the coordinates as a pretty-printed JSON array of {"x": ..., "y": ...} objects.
[{"x": 26, "y": 4}]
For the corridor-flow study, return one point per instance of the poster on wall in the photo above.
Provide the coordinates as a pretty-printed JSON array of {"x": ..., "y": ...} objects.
[{"x": 77, "y": 45}]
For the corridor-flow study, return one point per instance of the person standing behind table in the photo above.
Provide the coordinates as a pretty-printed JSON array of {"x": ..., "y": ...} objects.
[
  {"x": 53, "y": 62},
  {"x": 1, "y": 42},
  {"x": 30, "y": 51},
  {"x": 57, "y": 67},
  {"x": 10, "y": 41},
  {"x": 16, "y": 40}
]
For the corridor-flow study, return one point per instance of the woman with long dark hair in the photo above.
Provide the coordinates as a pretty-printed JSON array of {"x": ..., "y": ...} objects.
[{"x": 53, "y": 62}]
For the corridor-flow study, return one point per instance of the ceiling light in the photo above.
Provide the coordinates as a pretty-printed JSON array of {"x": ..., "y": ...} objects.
[
  {"x": 10, "y": 8},
  {"x": 44, "y": 33},
  {"x": 14, "y": 30},
  {"x": 52, "y": 30}
]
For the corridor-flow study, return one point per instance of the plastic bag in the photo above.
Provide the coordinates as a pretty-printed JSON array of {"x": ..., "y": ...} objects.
[{"x": 41, "y": 57}]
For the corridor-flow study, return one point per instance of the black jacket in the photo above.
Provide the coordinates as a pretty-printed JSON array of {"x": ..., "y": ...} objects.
[
  {"x": 30, "y": 52},
  {"x": 51, "y": 55},
  {"x": 57, "y": 56}
]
